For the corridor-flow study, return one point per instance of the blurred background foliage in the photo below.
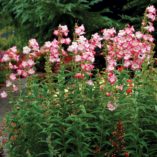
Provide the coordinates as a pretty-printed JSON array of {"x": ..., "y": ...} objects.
[{"x": 38, "y": 18}]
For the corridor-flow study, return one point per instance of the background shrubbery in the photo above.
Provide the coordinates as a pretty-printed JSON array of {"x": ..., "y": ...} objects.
[{"x": 38, "y": 18}]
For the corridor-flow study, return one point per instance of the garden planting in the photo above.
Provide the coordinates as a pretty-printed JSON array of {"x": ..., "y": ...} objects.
[{"x": 76, "y": 109}]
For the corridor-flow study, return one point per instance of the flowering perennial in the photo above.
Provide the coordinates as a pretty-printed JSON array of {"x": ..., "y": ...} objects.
[{"x": 128, "y": 48}]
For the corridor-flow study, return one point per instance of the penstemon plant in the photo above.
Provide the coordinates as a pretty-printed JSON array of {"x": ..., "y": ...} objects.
[{"x": 77, "y": 110}]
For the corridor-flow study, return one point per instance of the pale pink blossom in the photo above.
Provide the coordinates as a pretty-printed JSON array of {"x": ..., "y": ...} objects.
[
  {"x": 73, "y": 48},
  {"x": 26, "y": 50},
  {"x": 96, "y": 40},
  {"x": 61, "y": 31},
  {"x": 110, "y": 67},
  {"x": 8, "y": 83},
  {"x": 31, "y": 71},
  {"x": 56, "y": 32},
  {"x": 12, "y": 77},
  {"x": 151, "y": 17},
  {"x": 24, "y": 73},
  {"x": 87, "y": 67},
  {"x": 24, "y": 64},
  {"x": 67, "y": 41},
  {"x": 19, "y": 72},
  {"x": 34, "y": 44},
  {"x": 13, "y": 49},
  {"x": 108, "y": 33},
  {"x": 151, "y": 9},
  {"x": 111, "y": 106},
  {"x": 90, "y": 82},
  {"x": 30, "y": 62},
  {"x": 15, "y": 88},
  {"x": 120, "y": 87},
  {"x": 88, "y": 56},
  {"x": 135, "y": 66},
  {"x": 78, "y": 58},
  {"x": 139, "y": 35},
  {"x": 150, "y": 27},
  {"x": 5, "y": 58},
  {"x": 127, "y": 63},
  {"x": 3, "y": 94},
  {"x": 80, "y": 30},
  {"x": 112, "y": 78},
  {"x": 47, "y": 44}
]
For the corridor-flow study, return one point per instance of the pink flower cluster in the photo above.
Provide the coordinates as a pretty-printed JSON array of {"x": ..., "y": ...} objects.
[
  {"x": 126, "y": 47},
  {"x": 55, "y": 47},
  {"x": 83, "y": 51},
  {"x": 20, "y": 64},
  {"x": 80, "y": 50},
  {"x": 149, "y": 19},
  {"x": 130, "y": 47}
]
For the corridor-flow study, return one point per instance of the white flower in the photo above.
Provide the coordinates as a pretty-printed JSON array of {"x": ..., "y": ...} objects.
[
  {"x": 8, "y": 83},
  {"x": 26, "y": 50}
]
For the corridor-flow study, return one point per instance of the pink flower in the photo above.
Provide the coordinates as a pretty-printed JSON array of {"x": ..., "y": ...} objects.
[
  {"x": 63, "y": 29},
  {"x": 110, "y": 67},
  {"x": 12, "y": 77},
  {"x": 79, "y": 76},
  {"x": 120, "y": 87},
  {"x": 111, "y": 106},
  {"x": 108, "y": 33},
  {"x": 47, "y": 44},
  {"x": 8, "y": 83},
  {"x": 30, "y": 62},
  {"x": 19, "y": 72},
  {"x": 73, "y": 47},
  {"x": 56, "y": 32},
  {"x": 112, "y": 78},
  {"x": 24, "y": 74},
  {"x": 135, "y": 66},
  {"x": 67, "y": 41},
  {"x": 88, "y": 56},
  {"x": 151, "y": 9},
  {"x": 54, "y": 56},
  {"x": 87, "y": 67},
  {"x": 139, "y": 35},
  {"x": 3, "y": 94},
  {"x": 24, "y": 64},
  {"x": 26, "y": 50},
  {"x": 150, "y": 27},
  {"x": 78, "y": 58},
  {"x": 34, "y": 44},
  {"x": 90, "y": 82},
  {"x": 96, "y": 40},
  {"x": 31, "y": 71},
  {"x": 15, "y": 88},
  {"x": 13, "y": 49},
  {"x": 79, "y": 30},
  {"x": 151, "y": 17},
  {"x": 5, "y": 58},
  {"x": 127, "y": 63}
]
